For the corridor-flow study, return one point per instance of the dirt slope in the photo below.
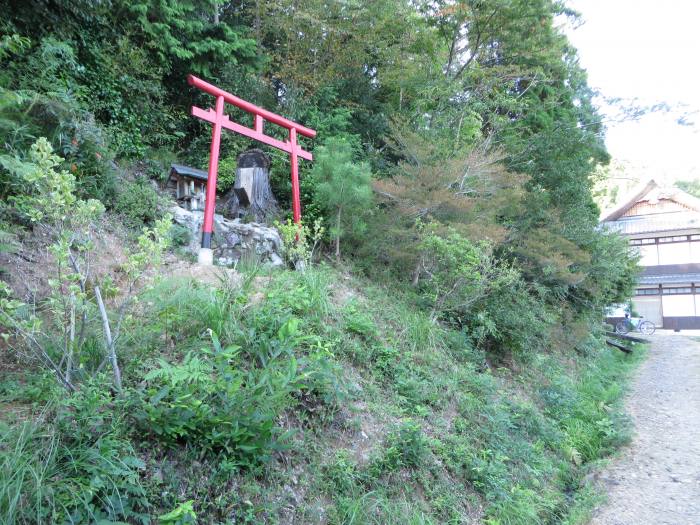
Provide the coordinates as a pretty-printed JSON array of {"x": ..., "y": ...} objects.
[{"x": 657, "y": 480}]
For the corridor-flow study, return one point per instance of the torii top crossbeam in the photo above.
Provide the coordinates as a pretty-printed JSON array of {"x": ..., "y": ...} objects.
[{"x": 220, "y": 120}]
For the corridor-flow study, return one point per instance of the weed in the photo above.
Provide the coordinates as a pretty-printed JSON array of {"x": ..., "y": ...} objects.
[
  {"x": 74, "y": 462},
  {"x": 183, "y": 514},
  {"x": 359, "y": 322},
  {"x": 405, "y": 446},
  {"x": 208, "y": 400},
  {"x": 180, "y": 236}
]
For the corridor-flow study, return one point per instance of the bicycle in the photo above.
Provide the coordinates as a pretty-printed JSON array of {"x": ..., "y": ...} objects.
[{"x": 635, "y": 323}]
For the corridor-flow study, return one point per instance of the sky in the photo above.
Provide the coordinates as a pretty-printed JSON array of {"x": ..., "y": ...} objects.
[{"x": 647, "y": 52}]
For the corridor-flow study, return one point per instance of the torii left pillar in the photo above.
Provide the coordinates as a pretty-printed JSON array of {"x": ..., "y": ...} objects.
[
  {"x": 221, "y": 121},
  {"x": 206, "y": 255}
]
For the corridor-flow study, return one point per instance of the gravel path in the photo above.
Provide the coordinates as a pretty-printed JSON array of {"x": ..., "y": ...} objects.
[{"x": 657, "y": 479}]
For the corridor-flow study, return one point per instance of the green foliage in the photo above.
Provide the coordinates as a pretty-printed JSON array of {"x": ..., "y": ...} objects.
[
  {"x": 405, "y": 446},
  {"x": 51, "y": 67},
  {"x": 690, "y": 186},
  {"x": 73, "y": 465},
  {"x": 89, "y": 160},
  {"x": 183, "y": 35},
  {"x": 55, "y": 333},
  {"x": 513, "y": 319},
  {"x": 484, "y": 386},
  {"x": 342, "y": 189},
  {"x": 26, "y": 114},
  {"x": 403, "y": 96},
  {"x": 359, "y": 322},
  {"x": 138, "y": 203},
  {"x": 207, "y": 400},
  {"x": 181, "y": 515},
  {"x": 48, "y": 194},
  {"x": 180, "y": 236},
  {"x": 226, "y": 176},
  {"x": 150, "y": 248},
  {"x": 12, "y": 45},
  {"x": 299, "y": 241},
  {"x": 126, "y": 63},
  {"x": 296, "y": 372},
  {"x": 460, "y": 273}
]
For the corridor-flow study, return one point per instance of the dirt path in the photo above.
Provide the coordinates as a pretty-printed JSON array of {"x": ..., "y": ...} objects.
[{"x": 657, "y": 480}]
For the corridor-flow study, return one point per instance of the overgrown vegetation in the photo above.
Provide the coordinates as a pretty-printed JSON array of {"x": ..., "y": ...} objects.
[
  {"x": 450, "y": 368},
  {"x": 341, "y": 398}
]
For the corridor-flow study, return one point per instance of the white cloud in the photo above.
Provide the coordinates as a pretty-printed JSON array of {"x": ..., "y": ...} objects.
[{"x": 648, "y": 51}]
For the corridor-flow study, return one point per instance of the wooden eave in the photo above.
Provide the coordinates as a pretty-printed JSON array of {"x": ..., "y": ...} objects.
[{"x": 637, "y": 195}]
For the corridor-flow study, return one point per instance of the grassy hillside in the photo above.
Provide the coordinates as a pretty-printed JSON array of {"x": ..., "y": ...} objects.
[
  {"x": 313, "y": 397},
  {"x": 448, "y": 368}
]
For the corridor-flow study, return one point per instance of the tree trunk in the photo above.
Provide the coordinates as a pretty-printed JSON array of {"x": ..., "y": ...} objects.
[
  {"x": 337, "y": 235},
  {"x": 251, "y": 194},
  {"x": 111, "y": 351},
  {"x": 417, "y": 272},
  {"x": 71, "y": 340}
]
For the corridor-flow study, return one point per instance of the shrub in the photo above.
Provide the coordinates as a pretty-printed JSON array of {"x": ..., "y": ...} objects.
[
  {"x": 405, "y": 446},
  {"x": 459, "y": 272},
  {"x": 138, "y": 203},
  {"x": 358, "y": 322},
  {"x": 183, "y": 514},
  {"x": 299, "y": 241},
  {"x": 180, "y": 236},
  {"x": 48, "y": 192},
  {"x": 95, "y": 179},
  {"x": 226, "y": 176},
  {"x": 342, "y": 473},
  {"x": 515, "y": 318},
  {"x": 210, "y": 401},
  {"x": 50, "y": 204}
]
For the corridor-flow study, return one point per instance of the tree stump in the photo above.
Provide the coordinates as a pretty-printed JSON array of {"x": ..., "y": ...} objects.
[{"x": 251, "y": 196}]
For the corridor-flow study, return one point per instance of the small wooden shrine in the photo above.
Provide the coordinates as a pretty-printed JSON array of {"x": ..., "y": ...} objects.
[{"x": 190, "y": 186}]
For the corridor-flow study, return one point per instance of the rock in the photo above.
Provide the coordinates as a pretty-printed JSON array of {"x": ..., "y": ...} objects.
[
  {"x": 233, "y": 239},
  {"x": 276, "y": 261},
  {"x": 225, "y": 261},
  {"x": 300, "y": 266}
]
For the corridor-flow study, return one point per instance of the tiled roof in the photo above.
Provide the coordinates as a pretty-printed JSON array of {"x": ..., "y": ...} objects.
[
  {"x": 655, "y": 223},
  {"x": 670, "y": 279},
  {"x": 671, "y": 269},
  {"x": 188, "y": 172}
]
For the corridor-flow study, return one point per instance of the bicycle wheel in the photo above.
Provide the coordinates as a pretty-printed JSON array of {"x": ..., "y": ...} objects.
[
  {"x": 622, "y": 327},
  {"x": 647, "y": 327}
]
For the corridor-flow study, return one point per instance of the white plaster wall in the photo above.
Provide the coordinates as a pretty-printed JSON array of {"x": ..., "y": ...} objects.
[
  {"x": 679, "y": 305},
  {"x": 649, "y": 307}
]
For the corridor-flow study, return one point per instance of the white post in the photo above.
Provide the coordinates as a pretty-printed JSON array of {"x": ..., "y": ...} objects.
[{"x": 205, "y": 257}]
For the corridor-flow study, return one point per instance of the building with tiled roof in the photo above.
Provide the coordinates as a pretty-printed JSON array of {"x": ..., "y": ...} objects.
[{"x": 663, "y": 223}]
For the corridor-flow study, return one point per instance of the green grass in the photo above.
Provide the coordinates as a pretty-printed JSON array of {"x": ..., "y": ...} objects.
[
  {"x": 69, "y": 466},
  {"x": 378, "y": 414}
]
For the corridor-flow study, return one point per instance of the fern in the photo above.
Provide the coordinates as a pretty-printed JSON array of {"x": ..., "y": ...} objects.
[{"x": 192, "y": 370}]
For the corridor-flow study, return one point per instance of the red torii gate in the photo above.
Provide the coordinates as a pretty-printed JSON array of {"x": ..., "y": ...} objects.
[{"x": 219, "y": 120}]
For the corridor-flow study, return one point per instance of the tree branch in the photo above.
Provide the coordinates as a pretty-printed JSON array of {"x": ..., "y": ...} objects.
[{"x": 111, "y": 353}]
